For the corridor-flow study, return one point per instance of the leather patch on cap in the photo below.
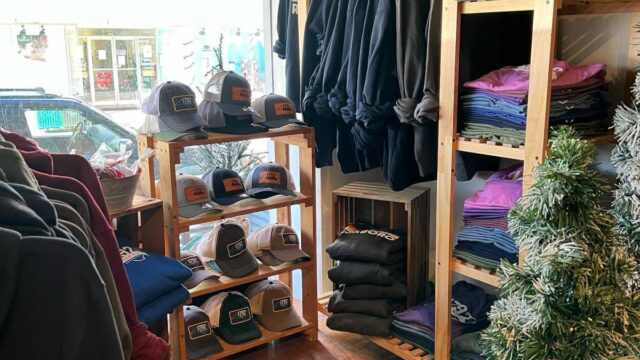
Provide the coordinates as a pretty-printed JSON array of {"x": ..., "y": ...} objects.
[
  {"x": 240, "y": 94},
  {"x": 284, "y": 109},
  {"x": 269, "y": 177},
  {"x": 239, "y": 316},
  {"x": 183, "y": 103},
  {"x": 232, "y": 184},
  {"x": 282, "y": 304},
  {"x": 195, "y": 193},
  {"x": 199, "y": 330},
  {"x": 193, "y": 263}
]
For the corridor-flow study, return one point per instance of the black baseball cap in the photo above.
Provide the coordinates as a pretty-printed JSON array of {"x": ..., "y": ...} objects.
[
  {"x": 218, "y": 121},
  {"x": 232, "y": 92},
  {"x": 225, "y": 186},
  {"x": 201, "y": 342},
  {"x": 174, "y": 103},
  {"x": 270, "y": 179},
  {"x": 231, "y": 317},
  {"x": 226, "y": 250},
  {"x": 275, "y": 111}
]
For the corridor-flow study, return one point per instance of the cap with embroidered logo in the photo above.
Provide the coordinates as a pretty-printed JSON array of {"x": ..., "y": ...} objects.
[
  {"x": 270, "y": 179},
  {"x": 225, "y": 186},
  {"x": 193, "y": 197},
  {"x": 200, "y": 339},
  {"x": 275, "y": 244},
  {"x": 231, "y": 318},
  {"x": 225, "y": 249},
  {"x": 275, "y": 111},
  {"x": 272, "y": 304},
  {"x": 174, "y": 103},
  {"x": 199, "y": 269}
]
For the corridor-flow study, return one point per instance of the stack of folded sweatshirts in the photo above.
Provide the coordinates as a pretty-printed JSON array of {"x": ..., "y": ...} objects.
[
  {"x": 494, "y": 107},
  {"x": 470, "y": 306},
  {"x": 484, "y": 239},
  {"x": 371, "y": 280}
]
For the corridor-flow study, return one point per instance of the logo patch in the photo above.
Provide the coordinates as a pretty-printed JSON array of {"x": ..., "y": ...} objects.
[
  {"x": 281, "y": 304},
  {"x": 239, "y": 316},
  {"x": 240, "y": 94},
  {"x": 232, "y": 184},
  {"x": 236, "y": 248},
  {"x": 290, "y": 239},
  {"x": 129, "y": 254},
  {"x": 193, "y": 263},
  {"x": 183, "y": 103},
  {"x": 284, "y": 109},
  {"x": 269, "y": 177},
  {"x": 195, "y": 193},
  {"x": 199, "y": 330}
]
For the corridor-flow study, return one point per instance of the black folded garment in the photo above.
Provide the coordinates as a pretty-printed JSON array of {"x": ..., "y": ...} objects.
[
  {"x": 369, "y": 246},
  {"x": 377, "y": 308},
  {"x": 360, "y": 324},
  {"x": 397, "y": 291},
  {"x": 355, "y": 272}
]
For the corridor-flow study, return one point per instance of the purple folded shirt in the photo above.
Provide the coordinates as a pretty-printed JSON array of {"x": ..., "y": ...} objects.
[{"x": 500, "y": 192}]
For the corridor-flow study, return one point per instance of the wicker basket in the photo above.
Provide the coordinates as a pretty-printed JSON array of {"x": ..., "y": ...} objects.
[{"x": 119, "y": 193}]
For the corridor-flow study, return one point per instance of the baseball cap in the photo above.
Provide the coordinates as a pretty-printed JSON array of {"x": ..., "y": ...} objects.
[
  {"x": 217, "y": 121},
  {"x": 275, "y": 111},
  {"x": 225, "y": 186},
  {"x": 193, "y": 197},
  {"x": 174, "y": 103},
  {"x": 276, "y": 243},
  {"x": 231, "y": 317},
  {"x": 200, "y": 271},
  {"x": 200, "y": 339},
  {"x": 232, "y": 92},
  {"x": 270, "y": 179},
  {"x": 272, "y": 304},
  {"x": 226, "y": 250}
]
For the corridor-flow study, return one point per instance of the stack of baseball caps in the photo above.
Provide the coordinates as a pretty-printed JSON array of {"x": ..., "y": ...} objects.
[
  {"x": 172, "y": 107},
  {"x": 276, "y": 244},
  {"x": 225, "y": 250},
  {"x": 370, "y": 277}
]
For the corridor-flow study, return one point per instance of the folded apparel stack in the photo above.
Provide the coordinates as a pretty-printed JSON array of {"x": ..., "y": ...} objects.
[
  {"x": 371, "y": 277},
  {"x": 494, "y": 107},
  {"x": 484, "y": 239},
  {"x": 470, "y": 306}
]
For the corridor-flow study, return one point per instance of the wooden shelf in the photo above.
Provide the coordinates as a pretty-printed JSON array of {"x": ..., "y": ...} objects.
[
  {"x": 491, "y": 148},
  {"x": 140, "y": 203},
  {"x": 211, "y": 286},
  {"x": 247, "y": 207},
  {"x": 475, "y": 272},
  {"x": 280, "y": 134},
  {"x": 267, "y": 336},
  {"x": 495, "y": 6}
]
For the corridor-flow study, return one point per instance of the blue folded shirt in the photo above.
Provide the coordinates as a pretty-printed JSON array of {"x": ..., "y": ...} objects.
[{"x": 163, "y": 305}]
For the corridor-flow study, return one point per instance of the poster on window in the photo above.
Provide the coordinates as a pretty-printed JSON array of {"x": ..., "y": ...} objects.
[{"x": 32, "y": 42}]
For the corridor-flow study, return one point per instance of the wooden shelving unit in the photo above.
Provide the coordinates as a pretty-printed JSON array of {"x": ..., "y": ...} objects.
[
  {"x": 168, "y": 154},
  {"x": 543, "y": 49},
  {"x": 142, "y": 223}
]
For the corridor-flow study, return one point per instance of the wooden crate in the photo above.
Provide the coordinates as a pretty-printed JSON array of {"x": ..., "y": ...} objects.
[
  {"x": 406, "y": 210},
  {"x": 142, "y": 223}
]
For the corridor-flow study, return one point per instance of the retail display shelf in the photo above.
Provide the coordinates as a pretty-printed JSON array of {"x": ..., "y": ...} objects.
[
  {"x": 247, "y": 207},
  {"x": 280, "y": 134},
  {"x": 475, "y": 272},
  {"x": 140, "y": 203},
  {"x": 494, "y": 6},
  {"x": 492, "y": 148},
  {"x": 211, "y": 286}
]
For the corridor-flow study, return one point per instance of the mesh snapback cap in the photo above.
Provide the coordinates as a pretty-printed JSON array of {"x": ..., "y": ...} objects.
[
  {"x": 232, "y": 92},
  {"x": 225, "y": 186},
  {"x": 270, "y": 179},
  {"x": 217, "y": 121},
  {"x": 230, "y": 315},
  {"x": 272, "y": 304},
  {"x": 200, "y": 271},
  {"x": 275, "y": 244},
  {"x": 275, "y": 111},
  {"x": 200, "y": 339},
  {"x": 193, "y": 197},
  {"x": 174, "y": 103},
  {"x": 226, "y": 250}
]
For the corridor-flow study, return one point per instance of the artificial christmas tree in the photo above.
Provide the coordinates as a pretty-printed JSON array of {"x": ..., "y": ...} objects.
[{"x": 573, "y": 298}]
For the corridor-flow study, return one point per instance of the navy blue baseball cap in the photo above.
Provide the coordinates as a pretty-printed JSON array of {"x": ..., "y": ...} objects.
[{"x": 225, "y": 186}]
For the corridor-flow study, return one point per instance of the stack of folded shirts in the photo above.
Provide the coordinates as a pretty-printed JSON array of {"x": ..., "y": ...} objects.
[
  {"x": 371, "y": 280},
  {"x": 484, "y": 239},
  {"x": 494, "y": 107},
  {"x": 470, "y": 306}
]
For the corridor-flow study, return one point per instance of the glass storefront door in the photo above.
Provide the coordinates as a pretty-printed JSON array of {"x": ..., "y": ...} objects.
[
  {"x": 127, "y": 70},
  {"x": 101, "y": 71}
]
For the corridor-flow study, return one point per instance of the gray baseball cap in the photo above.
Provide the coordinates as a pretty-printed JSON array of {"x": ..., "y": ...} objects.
[
  {"x": 193, "y": 197},
  {"x": 232, "y": 92},
  {"x": 272, "y": 304},
  {"x": 174, "y": 103},
  {"x": 226, "y": 249},
  {"x": 276, "y": 244},
  {"x": 275, "y": 111},
  {"x": 200, "y": 340},
  {"x": 199, "y": 269}
]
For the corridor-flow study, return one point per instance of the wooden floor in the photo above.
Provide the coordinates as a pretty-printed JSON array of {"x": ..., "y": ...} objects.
[{"x": 330, "y": 345}]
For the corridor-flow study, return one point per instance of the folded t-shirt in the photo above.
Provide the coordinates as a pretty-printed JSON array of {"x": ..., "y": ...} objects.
[
  {"x": 356, "y": 272},
  {"x": 396, "y": 291},
  {"x": 163, "y": 305},
  {"x": 378, "y": 308},
  {"x": 360, "y": 324},
  {"x": 369, "y": 246}
]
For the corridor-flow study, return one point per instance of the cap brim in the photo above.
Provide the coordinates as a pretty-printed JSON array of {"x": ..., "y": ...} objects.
[
  {"x": 274, "y": 124},
  {"x": 287, "y": 255},
  {"x": 230, "y": 199},
  {"x": 170, "y": 136},
  {"x": 237, "y": 110},
  {"x": 239, "y": 334},
  {"x": 212, "y": 347},
  {"x": 263, "y": 193},
  {"x": 280, "y": 322},
  {"x": 238, "y": 130},
  {"x": 200, "y": 276},
  {"x": 183, "y": 122},
  {"x": 191, "y": 211},
  {"x": 268, "y": 259},
  {"x": 239, "y": 266}
]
